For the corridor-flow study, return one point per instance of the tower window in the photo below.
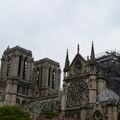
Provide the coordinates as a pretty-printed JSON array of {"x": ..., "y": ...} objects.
[
  {"x": 19, "y": 66},
  {"x": 25, "y": 68},
  {"x": 17, "y": 101},
  {"x": 38, "y": 77},
  {"x": 23, "y": 89},
  {"x": 18, "y": 88},
  {"x": 41, "y": 70},
  {"x": 53, "y": 79},
  {"x": 49, "y": 76},
  {"x": 8, "y": 66}
]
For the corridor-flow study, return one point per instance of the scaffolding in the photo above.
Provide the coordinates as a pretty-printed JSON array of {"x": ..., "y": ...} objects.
[{"x": 108, "y": 65}]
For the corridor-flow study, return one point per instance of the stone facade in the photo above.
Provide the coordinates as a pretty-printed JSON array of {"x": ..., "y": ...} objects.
[
  {"x": 35, "y": 85},
  {"x": 23, "y": 80},
  {"x": 85, "y": 91}
]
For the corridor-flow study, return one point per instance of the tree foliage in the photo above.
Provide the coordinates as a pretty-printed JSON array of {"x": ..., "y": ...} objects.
[
  {"x": 47, "y": 114},
  {"x": 13, "y": 113}
]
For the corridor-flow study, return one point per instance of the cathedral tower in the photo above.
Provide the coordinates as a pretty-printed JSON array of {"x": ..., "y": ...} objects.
[{"x": 16, "y": 72}]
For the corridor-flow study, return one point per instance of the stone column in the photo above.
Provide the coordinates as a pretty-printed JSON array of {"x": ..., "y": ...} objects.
[
  {"x": 115, "y": 113},
  {"x": 31, "y": 69},
  {"x": 4, "y": 67},
  {"x": 83, "y": 114},
  {"x": 64, "y": 94},
  {"x": 43, "y": 76},
  {"x": 28, "y": 70},
  {"x": 14, "y": 86},
  {"x": 56, "y": 80},
  {"x": 59, "y": 79},
  {"x": 110, "y": 113},
  {"x": 10, "y": 92},
  {"x": 47, "y": 73},
  {"x": 92, "y": 88}
]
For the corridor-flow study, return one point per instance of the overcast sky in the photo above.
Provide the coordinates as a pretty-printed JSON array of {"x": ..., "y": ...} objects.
[{"x": 49, "y": 27}]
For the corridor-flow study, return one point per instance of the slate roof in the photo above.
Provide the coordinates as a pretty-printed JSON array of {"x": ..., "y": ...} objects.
[{"x": 107, "y": 95}]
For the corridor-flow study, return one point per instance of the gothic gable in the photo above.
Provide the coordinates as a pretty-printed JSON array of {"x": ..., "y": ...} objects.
[{"x": 78, "y": 65}]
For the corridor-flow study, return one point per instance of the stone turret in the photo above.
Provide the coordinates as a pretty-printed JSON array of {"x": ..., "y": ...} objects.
[
  {"x": 66, "y": 67},
  {"x": 92, "y": 57},
  {"x": 91, "y": 70}
]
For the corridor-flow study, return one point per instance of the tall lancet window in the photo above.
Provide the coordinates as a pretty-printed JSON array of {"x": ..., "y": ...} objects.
[
  {"x": 19, "y": 66},
  {"x": 25, "y": 69},
  {"x": 41, "y": 72},
  {"x": 49, "y": 72},
  {"x": 53, "y": 79},
  {"x": 38, "y": 77},
  {"x": 8, "y": 66}
]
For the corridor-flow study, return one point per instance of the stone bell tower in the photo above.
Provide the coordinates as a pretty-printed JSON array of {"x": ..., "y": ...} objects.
[
  {"x": 46, "y": 77},
  {"x": 16, "y": 64}
]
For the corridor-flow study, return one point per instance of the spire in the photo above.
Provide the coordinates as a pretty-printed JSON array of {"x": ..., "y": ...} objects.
[
  {"x": 92, "y": 57},
  {"x": 8, "y": 47},
  {"x": 78, "y": 49},
  {"x": 66, "y": 62}
]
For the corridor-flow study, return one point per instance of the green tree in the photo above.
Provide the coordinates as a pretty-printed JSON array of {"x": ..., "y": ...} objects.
[
  {"x": 13, "y": 113},
  {"x": 47, "y": 115}
]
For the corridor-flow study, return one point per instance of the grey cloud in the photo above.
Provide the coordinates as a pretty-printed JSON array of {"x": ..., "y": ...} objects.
[{"x": 49, "y": 27}]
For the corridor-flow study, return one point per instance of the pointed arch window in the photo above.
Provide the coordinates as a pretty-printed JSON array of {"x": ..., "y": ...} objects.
[
  {"x": 18, "y": 88},
  {"x": 53, "y": 79},
  {"x": 23, "y": 102},
  {"x": 41, "y": 72},
  {"x": 78, "y": 67},
  {"x": 8, "y": 66},
  {"x": 38, "y": 77},
  {"x": 49, "y": 72},
  {"x": 18, "y": 101},
  {"x": 19, "y": 66},
  {"x": 25, "y": 68},
  {"x": 23, "y": 89}
]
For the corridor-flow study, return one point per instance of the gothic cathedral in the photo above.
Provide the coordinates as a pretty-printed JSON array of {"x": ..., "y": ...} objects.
[
  {"x": 85, "y": 92},
  {"x": 28, "y": 83}
]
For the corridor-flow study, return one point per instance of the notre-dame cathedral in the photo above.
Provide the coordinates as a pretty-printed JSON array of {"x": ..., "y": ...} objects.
[
  {"x": 25, "y": 82},
  {"x": 90, "y": 86}
]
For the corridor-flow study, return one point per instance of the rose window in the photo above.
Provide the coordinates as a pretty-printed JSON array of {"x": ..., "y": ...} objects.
[{"x": 77, "y": 93}]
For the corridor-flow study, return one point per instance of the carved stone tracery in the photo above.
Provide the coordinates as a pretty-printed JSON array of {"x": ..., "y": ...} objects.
[{"x": 77, "y": 94}]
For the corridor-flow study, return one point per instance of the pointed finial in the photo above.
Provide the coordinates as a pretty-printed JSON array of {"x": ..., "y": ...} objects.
[
  {"x": 78, "y": 49},
  {"x": 66, "y": 62},
  {"x": 92, "y": 52},
  {"x": 8, "y": 47},
  {"x": 87, "y": 57},
  {"x": 67, "y": 52}
]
